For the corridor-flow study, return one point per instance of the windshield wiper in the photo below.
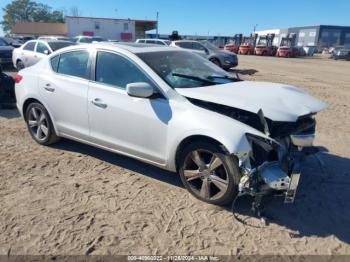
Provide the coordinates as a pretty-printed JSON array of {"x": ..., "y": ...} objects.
[
  {"x": 196, "y": 78},
  {"x": 224, "y": 77}
]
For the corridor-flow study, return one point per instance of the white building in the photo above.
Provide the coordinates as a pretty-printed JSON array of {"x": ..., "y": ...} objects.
[
  {"x": 114, "y": 29},
  {"x": 277, "y": 32}
]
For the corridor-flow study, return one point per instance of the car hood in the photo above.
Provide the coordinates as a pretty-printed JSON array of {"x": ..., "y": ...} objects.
[{"x": 278, "y": 102}]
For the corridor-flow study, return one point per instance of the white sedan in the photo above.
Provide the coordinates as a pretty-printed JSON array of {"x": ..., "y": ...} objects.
[
  {"x": 175, "y": 110},
  {"x": 33, "y": 51}
]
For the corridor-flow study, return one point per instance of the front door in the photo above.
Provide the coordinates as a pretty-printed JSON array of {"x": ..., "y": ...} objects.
[{"x": 133, "y": 126}]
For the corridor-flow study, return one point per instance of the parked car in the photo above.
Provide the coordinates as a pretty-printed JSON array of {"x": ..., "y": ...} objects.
[
  {"x": 22, "y": 39},
  {"x": 88, "y": 39},
  {"x": 173, "y": 109},
  {"x": 35, "y": 50},
  {"x": 48, "y": 37},
  {"x": 154, "y": 41},
  {"x": 342, "y": 52},
  {"x": 6, "y": 50},
  {"x": 221, "y": 58},
  {"x": 7, "y": 90}
]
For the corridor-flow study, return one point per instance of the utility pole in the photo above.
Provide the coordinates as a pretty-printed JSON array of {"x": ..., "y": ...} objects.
[
  {"x": 255, "y": 26},
  {"x": 157, "y": 24}
]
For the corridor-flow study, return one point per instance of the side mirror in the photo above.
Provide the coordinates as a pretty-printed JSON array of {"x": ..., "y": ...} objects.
[
  {"x": 140, "y": 89},
  {"x": 46, "y": 52}
]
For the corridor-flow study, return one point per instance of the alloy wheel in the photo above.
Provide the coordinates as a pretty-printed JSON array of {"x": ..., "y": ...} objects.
[
  {"x": 206, "y": 174},
  {"x": 38, "y": 123}
]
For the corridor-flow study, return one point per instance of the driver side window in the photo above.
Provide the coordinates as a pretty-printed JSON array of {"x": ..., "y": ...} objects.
[{"x": 117, "y": 71}]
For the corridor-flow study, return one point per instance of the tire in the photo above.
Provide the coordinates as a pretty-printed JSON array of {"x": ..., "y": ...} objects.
[
  {"x": 39, "y": 125},
  {"x": 215, "y": 61},
  {"x": 218, "y": 186},
  {"x": 20, "y": 65}
]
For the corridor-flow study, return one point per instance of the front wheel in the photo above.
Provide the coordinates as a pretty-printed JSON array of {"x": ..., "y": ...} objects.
[
  {"x": 40, "y": 125},
  {"x": 209, "y": 174}
]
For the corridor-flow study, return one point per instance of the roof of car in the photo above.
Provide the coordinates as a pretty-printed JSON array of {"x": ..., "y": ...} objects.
[
  {"x": 156, "y": 39},
  {"x": 137, "y": 47}
]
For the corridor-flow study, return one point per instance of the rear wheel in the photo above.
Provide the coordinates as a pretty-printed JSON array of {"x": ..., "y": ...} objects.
[
  {"x": 208, "y": 173},
  {"x": 20, "y": 65},
  {"x": 40, "y": 125}
]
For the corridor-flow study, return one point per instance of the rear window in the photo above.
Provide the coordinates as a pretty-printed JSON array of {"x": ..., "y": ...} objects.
[
  {"x": 58, "y": 45},
  {"x": 29, "y": 46},
  {"x": 187, "y": 45},
  {"x": 85, "y": 40},
  {"x": 74, "y": 63}
]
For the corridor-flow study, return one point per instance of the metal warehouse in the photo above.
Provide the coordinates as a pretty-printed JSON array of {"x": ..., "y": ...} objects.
[{"x": 319, "y": 35}]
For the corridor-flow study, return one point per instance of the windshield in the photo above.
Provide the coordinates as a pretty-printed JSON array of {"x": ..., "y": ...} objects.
[
  {"x": 182, "y": 69},
  {"x": 286, "y": 42},
  {"x": 209, "y": 45},
  {"x": 58, "y": 45},
  {"x": 262, "y": 41}
]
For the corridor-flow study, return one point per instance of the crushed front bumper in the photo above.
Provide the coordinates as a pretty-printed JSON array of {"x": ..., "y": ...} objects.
[{"x": 279, "y": 171}]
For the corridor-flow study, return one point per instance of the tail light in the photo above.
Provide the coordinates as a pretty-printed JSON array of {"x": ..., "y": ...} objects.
[{"x": 18, "y": 78}]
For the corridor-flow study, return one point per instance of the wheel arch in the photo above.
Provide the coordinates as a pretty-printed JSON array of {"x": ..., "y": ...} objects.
[
  {"x": 31, "y": 100},
  {"x": 191, "y": 139},
  {"x": 26, "y": 103}
]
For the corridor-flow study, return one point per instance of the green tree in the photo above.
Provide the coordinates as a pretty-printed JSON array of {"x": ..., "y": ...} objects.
[{"x": 28, "y": 11}]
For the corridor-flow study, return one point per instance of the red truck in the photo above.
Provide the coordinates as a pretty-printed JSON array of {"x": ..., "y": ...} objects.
[
  {"x": 265, "y": 46},
  {"x": 248, "y": 44},
  {"x": 233, "y": 46}
]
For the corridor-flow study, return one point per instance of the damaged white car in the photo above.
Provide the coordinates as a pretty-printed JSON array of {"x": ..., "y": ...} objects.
[{"x": 175, "y": 110}]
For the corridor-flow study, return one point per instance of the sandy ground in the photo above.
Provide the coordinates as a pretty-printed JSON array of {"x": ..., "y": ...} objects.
[{"x": 75, "y": 199}]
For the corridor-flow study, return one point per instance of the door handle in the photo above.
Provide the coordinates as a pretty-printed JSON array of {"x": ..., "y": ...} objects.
[
  {"x": 97, "y": 102},
  {"x": 49, "y": 88}
]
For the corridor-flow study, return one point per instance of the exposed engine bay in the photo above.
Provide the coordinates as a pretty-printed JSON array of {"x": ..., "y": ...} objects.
[{"x": 272, "y": 165}]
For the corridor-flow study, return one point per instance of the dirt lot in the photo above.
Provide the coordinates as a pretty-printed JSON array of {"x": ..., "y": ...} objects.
[{"x": 75, "y": 199}]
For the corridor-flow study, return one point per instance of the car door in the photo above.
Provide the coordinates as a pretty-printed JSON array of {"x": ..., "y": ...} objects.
[
  {"x": 199, "y": 49},
  {"x": 41, "y": 51},
  {"x": 133, "y": 126},
  {"x": 27, "y": 53},
  {"x": 65, "y": 90}
]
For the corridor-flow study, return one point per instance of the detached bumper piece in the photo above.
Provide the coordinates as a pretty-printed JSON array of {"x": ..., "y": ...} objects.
[{"x": 294, "y": 180}]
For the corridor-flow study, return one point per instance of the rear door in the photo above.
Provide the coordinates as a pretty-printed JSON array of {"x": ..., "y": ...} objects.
[{"x": 65, "y": 92}]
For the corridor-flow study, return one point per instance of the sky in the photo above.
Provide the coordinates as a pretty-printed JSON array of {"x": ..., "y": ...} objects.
[{"x": 203, "y": 17}]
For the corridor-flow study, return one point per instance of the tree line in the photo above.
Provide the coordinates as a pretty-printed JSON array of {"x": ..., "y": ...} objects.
[{"x": 31, "y": 11}]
